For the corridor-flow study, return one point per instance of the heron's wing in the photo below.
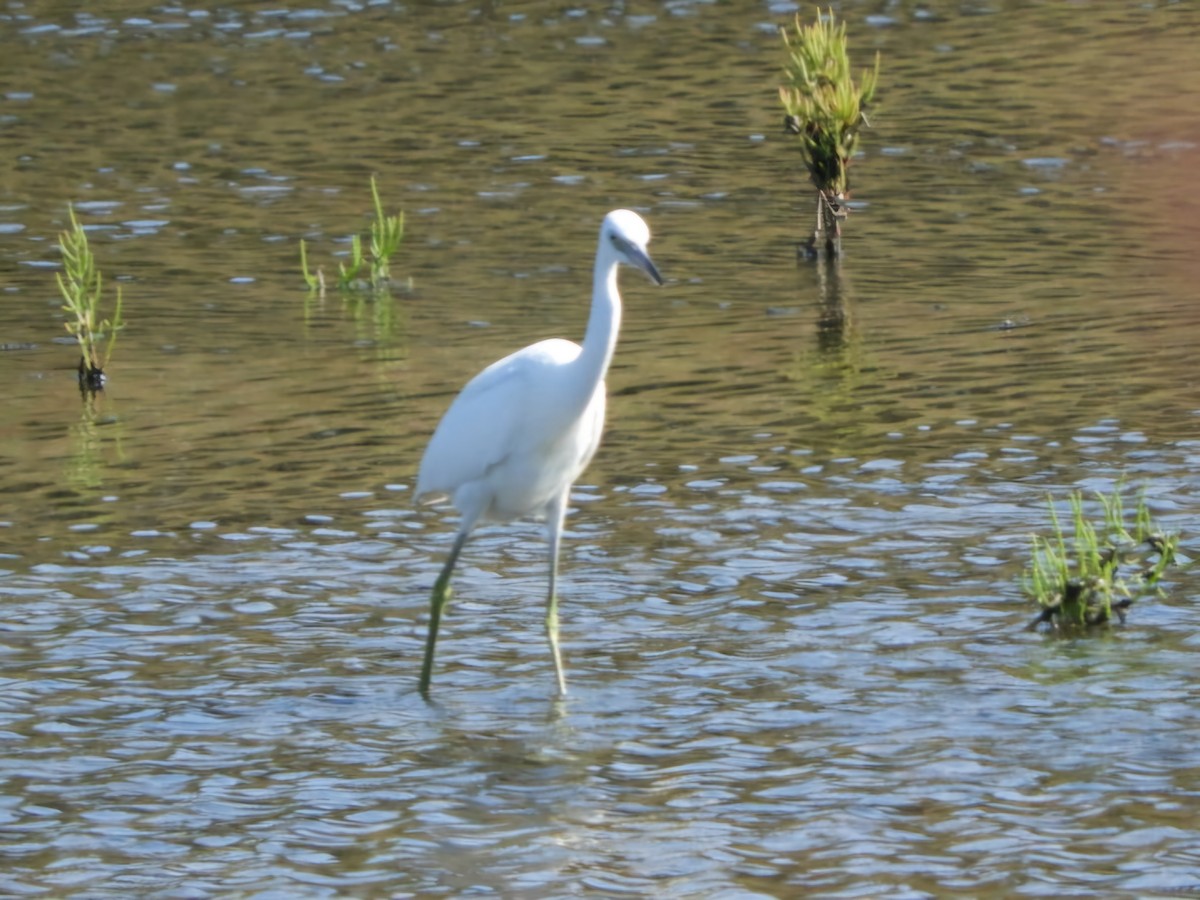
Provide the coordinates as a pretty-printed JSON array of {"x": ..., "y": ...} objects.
[{"x": 485, "y": 421}]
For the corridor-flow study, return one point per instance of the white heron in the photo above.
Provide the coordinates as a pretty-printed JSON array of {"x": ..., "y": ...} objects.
[{"x": 518, "y": 435}]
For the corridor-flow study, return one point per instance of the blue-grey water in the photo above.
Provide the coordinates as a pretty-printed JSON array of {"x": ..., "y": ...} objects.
[{"x": 791, "y": 605}]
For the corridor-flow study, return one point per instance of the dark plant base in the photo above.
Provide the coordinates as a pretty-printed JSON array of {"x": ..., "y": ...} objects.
[
  {"x": 1094, "y": 613},
  {"x": 826, "y": 239},
  {"x": 91, "y": 378}
]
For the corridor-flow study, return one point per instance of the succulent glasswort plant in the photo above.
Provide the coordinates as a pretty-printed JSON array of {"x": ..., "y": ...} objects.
[
  {"x": 82, "y": 289},
  {"x": 826, "y": 110},
  {"x": 387, "y": 232},
  {"x": 1098, "y": 574}
]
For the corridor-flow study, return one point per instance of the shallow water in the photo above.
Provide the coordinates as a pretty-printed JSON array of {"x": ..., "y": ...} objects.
[{"x": 791, "y": 614}]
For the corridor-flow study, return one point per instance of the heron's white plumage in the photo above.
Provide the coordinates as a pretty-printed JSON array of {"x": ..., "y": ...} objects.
[
  {"x": 502, "y": 467},
  {"x": 518, "y": 435}
]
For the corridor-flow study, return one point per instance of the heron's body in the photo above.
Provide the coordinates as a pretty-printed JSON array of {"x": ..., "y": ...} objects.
[
  {"x": 518, "y": 435},
  {"x": 519, "y": 459}
]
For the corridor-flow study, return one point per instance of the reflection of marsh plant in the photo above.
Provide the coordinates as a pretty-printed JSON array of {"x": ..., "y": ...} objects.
[
  {"x": 386, "y": 234},
  {"x": 82, "y": 291},
  {"x": 378, "y": 323},
  {"x": 1103, "y": 570},
  {"x": 94, "y": 437},
  {"x": 826, "y": 109}
]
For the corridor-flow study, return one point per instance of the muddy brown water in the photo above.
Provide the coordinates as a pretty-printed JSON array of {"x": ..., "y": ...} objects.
[{"x": 791, "y": 613}]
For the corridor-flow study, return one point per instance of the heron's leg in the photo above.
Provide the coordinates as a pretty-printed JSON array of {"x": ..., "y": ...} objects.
[
  {"x": 437, "y": 602},
  {"x": 554, "y": 527}
]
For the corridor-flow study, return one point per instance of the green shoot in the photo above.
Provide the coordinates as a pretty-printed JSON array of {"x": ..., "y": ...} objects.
[
  {"x": 1075, "y": 581},
  {"x": 111, "y": 327},
  {"x": 386, "y": 234},
  {"x": 315, "y": 282},
  {"x": 348, "y": 274},
  {"x": 81, "y": 286}
]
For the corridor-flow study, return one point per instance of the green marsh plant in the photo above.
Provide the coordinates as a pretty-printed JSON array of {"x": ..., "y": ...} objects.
[
  {"x": 826, "y": 109},
  {"x": 81, "y": 286},
  {"x": 348, "y": 274},
  {"x": 315, "y": 282},
  {"x": 1086, "y": 574},
  {"x": 386, "y": 235}
]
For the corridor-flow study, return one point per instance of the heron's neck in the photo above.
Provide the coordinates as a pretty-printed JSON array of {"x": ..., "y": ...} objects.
[{"x": 600, "y": 340}]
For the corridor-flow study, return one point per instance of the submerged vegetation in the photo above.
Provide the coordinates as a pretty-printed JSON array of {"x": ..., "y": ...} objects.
[
  {"x": 387, "y": 232},
  {"x": 826, "y": 109},
  {"x": 82, "y": 290},
  {"x": 1101, "y": 570}
]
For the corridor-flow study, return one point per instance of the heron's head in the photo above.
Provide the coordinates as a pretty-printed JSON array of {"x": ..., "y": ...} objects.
[{"x": 627, "y": 233}]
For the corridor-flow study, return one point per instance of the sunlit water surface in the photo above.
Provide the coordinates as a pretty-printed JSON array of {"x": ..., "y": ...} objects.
[{"x": 791, "y": 607}]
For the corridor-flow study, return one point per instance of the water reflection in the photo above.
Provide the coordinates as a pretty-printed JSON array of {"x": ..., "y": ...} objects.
[
  {"x": 789, "y": 580},
  {"x": 836, "y": 337}
]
